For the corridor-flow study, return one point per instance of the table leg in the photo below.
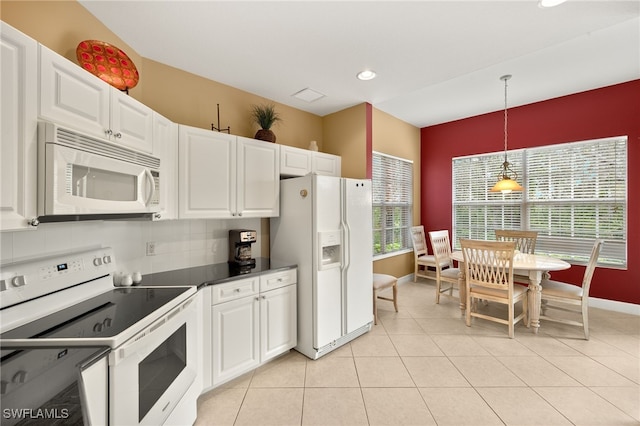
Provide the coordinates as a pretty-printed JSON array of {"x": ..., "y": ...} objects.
[
  {"x": 462, "y": 288},
  {"x": 535, "y": 298}
]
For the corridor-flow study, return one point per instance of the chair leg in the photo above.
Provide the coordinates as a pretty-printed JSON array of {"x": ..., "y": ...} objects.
[
  {"x": 395, "y": 295},
  {"x": 438, "y": 289},
  {"x": 415, "y": 273},
  {"x": 585, "y": 320},
  {"x": 511, "y": 315},
  {"x": 375, "y": 308},
  {"x": 468, "y": 312}
]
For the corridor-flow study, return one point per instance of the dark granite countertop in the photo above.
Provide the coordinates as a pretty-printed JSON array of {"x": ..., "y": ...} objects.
[{"x": 218, "y": 273}]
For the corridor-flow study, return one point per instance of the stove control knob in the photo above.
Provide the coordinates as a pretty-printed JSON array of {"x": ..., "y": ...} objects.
[
  {"x": 107, "y": 322},
  {"x": 97, "y": 261},
  {"x": 18, "y": 281},
  {"x": 97, "y": 327},
  {"x": 137, "y": 277},
  {"x": 106, "y": 259},
  {"x": 3, "y": 387},
  {"x": 19, "y": 377}
]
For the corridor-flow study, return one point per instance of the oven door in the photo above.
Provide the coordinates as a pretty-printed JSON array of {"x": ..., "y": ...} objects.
[
  {"x": 79, "y": 182},
  {"x": 54, "y": 385},
  {"x": 150, "y": 373}
]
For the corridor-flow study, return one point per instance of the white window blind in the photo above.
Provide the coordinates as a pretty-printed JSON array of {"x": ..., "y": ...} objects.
[
  {"x": 574, "y": 193},
  {"x": 392, "y": 187}
]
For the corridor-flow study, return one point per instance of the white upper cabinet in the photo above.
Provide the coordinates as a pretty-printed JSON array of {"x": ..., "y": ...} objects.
[
  {"x": 72, "y": 96},
  {"x": 131, "y": 122},
  {"x": 299, "y": 162},
  {"x": 225, "y": 176},
  {"x": 207, "y": 174},
  {"x": 258, "y": 178},
  {"x": 326, "y": 164},
  {"x": 165, "y": 147},
  {"x": 18, "y": 128}
]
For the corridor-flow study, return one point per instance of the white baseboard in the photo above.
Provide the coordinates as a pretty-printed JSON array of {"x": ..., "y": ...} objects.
[{"x": 611, "y": 305}]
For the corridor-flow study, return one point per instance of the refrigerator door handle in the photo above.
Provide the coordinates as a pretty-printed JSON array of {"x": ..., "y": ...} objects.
[{"x": 346, "y": 255}]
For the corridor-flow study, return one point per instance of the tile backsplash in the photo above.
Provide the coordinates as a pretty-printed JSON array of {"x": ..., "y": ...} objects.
[{"x": 177, "y": 243}]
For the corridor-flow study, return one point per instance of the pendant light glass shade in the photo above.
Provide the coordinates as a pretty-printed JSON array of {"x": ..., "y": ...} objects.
[{"x": 507, "y": 176}]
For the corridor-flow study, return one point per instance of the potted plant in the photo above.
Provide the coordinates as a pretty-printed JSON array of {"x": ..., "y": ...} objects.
[{"x": 265, "y": 116}]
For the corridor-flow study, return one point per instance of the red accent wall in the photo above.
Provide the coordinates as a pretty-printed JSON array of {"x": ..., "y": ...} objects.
[{"x": 599, "y": 113}]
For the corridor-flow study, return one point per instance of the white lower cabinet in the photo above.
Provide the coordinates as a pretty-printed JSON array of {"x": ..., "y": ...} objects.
[{"x": 253, "y": 320}]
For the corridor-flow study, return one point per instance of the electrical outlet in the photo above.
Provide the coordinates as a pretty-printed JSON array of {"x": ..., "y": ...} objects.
[{"x": 151, "y": 248}]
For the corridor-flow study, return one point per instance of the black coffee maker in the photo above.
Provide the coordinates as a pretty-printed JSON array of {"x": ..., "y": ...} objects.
[{"x": 240, "y": 241}]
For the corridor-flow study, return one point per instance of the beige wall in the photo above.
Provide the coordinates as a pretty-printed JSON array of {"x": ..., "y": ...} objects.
[
  {"x": 395, "y": 137},
  {"x": 345, "y": 134}
]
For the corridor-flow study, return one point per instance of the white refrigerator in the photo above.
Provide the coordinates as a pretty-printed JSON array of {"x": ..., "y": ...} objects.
[{"x": 325, "y": 228}]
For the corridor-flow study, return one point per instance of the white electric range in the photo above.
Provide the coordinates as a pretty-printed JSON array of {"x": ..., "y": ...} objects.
[{"x": 76, "y": 349}]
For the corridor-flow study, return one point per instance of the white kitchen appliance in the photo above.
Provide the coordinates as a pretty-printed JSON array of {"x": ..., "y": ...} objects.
[
  {"x": 77, "y": 350},
  {"x": 84, "y": 175},
  {"x": 325, "y": 228}
]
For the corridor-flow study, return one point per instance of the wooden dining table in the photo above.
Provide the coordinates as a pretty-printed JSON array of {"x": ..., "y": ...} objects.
[{"x": 535, "y": 266}]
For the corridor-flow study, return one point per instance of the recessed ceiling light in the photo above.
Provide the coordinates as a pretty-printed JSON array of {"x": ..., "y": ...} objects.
[
  {"x": 550, "y": 3},
  {"x": 366, "y": 75},
  {"x": 308, "y": 95}
]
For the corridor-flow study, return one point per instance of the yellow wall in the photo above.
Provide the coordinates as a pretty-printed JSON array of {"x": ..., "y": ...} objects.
[
  {"x": 395, "y": 137},
  {"x": 345, "y": 134},
  {"x": 188, "y": 99}
]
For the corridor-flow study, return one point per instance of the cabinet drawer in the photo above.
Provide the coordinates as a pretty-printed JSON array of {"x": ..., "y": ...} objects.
[
  {"x": 277, "y": 279},
  {"x": 234, "y": 290}
]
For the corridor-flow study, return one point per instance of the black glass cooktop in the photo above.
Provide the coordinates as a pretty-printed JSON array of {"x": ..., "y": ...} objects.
[{"x": 105, "y": 316}]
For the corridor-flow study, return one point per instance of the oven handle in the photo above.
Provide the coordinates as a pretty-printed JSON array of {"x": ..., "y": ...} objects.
[
  {"x": 156, "y": 333},
  {"x": 93, "y": 386}
]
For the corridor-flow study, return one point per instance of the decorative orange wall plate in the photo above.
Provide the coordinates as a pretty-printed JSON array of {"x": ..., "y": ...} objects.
[{"x": 108, "y": 63}]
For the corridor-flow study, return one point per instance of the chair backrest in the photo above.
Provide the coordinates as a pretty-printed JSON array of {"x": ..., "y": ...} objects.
[
  {"x": 591, "y": 267},
  {"x": 525, "y": 240},
  {"x": 418, "y": 240},
  {"x": 489, "y": 263},
  {"x": 441, "y": 247}
]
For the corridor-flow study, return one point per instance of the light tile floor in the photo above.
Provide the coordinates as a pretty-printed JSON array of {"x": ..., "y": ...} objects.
[{"x": 424, "y": 366}]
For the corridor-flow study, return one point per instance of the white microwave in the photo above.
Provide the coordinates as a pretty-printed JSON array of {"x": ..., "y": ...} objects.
[{"x": 80, "y": 174}]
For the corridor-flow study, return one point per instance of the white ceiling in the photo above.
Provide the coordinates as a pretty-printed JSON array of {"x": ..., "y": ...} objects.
[{"x": 436, "y": 61}]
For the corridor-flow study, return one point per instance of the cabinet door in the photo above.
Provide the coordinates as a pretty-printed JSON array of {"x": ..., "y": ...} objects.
[
  {"x": 326, "y": 164},
  {"x": 294, "y": 161},
  {"x": 71, "y": 96},
  {"x": 207, "y": 174},
  {"x": 258, "y": 185},
  {"x": 165, "y": 147},
  {"x": 131, "y": 122},
  {"x": 18, "y": 128},
  {"x": 278, "y": 321},
  {"x": 235, "y": 338}
]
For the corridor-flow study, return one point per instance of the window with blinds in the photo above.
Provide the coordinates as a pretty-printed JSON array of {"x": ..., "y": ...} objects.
[
  {"x": 574, "y": 193},
  {"x": 392, "y": 188}
]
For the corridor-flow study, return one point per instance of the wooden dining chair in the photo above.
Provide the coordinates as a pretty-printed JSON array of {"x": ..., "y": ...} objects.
[
  {"x": 525, "y": 243},
  {"x": 488, "y": 269},
  {"x": 525, "y": 240},
  {"x": 444, "y": 264},
  {"x": 568, "y": 295},
  {"x": 421, "y": 257}
]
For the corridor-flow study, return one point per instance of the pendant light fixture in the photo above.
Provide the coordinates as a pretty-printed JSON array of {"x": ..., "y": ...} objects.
[{"x": 507, "y": 176}]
